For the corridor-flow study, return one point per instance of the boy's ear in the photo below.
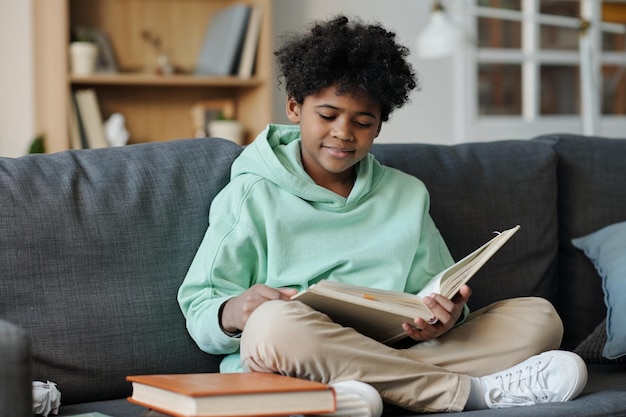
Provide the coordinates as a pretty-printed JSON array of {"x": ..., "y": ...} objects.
[{"x": 293, "y": 109}]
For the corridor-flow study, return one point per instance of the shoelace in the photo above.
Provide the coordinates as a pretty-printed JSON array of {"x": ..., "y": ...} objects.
[{"x": 524, "y": 387}]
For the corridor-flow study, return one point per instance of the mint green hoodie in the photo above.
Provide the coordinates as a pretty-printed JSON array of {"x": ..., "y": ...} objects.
[{"x": 273, "y": 225}]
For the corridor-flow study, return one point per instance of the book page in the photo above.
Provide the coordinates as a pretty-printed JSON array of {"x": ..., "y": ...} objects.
[
  {"x": 449, "y": 281},
  {"x": 368, "y": 292},
  {"x": 369, "y": 314}
]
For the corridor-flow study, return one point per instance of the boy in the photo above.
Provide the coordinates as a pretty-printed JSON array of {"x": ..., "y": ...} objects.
[{"x": 308, "y": 202}]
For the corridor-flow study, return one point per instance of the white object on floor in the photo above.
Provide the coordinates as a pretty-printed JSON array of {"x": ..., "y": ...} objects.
[{"x": 46, "y": 398}]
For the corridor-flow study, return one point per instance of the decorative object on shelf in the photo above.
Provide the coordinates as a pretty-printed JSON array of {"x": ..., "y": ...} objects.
[
  {"x": 115, "y": 130},
  {"x": 105, "y": 57},
  {"x": 205, "y": 111},
  {"x": 226, "y": 129},
  {"x": 83, "y": 57},
  {"x": 163, "y": 65}
]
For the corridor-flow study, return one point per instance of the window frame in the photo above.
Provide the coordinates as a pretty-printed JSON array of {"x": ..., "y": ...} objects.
[{"x": 530, "y": 56}]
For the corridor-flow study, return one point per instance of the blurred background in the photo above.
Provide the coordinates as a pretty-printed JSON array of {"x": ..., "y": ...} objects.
[{"x": 490, "y": 69}]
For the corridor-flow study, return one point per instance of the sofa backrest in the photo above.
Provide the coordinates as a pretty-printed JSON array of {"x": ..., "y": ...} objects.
[
  {"x": 480, "y": 188},
  {"x": 592, "y": 195},
  {"x": 94, "y": 247}
]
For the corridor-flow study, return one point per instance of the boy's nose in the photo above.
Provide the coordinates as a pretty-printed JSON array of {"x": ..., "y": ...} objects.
[{"x": 342, "y": 131}]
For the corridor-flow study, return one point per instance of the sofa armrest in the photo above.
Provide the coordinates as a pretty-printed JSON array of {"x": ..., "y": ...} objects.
[{"x": 16, "y": 398}]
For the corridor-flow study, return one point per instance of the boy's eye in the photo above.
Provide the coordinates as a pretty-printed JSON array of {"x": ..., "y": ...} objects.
[{"x": 363, "y": 124}]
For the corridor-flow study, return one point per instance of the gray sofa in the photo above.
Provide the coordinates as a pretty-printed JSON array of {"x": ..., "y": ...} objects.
[{"x": 94, "y": 244}]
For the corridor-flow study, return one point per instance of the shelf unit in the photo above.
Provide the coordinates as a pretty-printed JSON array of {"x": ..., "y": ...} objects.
[{"x": 156, "y": 108}]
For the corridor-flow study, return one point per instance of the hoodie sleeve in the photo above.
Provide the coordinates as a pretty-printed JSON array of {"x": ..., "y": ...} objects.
[
  {"x": 431, "y": 257},
  {"x": 225, "y": 265}
]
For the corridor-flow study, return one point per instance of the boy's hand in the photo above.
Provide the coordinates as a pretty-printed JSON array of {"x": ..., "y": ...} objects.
[
  {"x": 446, "y": 313},
  {"x": 238, "y": 309}
]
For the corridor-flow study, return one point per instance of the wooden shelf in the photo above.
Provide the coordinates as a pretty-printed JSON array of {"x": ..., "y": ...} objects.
[
  {"x": 139, "y": 79},
  {"x": 156, "y": 107}
]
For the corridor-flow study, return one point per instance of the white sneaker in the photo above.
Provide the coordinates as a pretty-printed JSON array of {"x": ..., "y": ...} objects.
[
  {"x": 356, "y": 399},
  {"x": 553, "y": 376}
]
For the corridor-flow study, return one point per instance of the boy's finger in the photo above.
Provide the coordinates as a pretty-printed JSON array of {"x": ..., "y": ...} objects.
[{"x": 287, "y": 292}]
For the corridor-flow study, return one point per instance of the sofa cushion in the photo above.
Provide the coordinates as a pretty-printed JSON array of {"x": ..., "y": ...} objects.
[
  {"x": 95, "y": 244},
  {"x": 479, "y": 188},
  {"x": 591, "y": 348},
  {"x": 592, "y": 195},
  {"x": 606, "y": 248}
]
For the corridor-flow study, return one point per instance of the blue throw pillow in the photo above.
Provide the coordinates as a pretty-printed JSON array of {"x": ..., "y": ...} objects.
[{"x": 606, "y": 248}]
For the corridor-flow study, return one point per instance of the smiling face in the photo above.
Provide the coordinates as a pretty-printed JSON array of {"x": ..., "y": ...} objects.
[{"x": 337, "y": 132}]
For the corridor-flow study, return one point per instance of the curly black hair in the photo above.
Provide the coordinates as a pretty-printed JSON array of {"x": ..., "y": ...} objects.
[{"x": 356, "y": 57}]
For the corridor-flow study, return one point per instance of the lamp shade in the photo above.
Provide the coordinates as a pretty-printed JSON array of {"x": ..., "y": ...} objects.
[{"x": 439, "y": 38}]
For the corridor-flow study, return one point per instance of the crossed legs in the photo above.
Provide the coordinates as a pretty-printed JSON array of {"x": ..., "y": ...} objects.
[{"x": 292, "y": 339}]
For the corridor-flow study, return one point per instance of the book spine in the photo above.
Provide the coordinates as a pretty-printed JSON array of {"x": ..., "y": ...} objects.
[
  {"x": 89, "y": 113},
  {"x": 250, "y": 45}
]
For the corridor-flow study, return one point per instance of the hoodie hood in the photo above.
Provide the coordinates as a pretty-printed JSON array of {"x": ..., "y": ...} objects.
[{"x": 275, "y": 156}]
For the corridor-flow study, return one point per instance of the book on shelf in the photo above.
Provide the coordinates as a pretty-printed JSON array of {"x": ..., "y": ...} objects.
[
  {"x": 251, "y": 42},
  {"x": 223, "y": 41},
  {"x": 90, "y": 117},
  {"x": 78, "y": 139},
  {"x": 231, "y": 394},
  {"x": 379, "y": 313}
]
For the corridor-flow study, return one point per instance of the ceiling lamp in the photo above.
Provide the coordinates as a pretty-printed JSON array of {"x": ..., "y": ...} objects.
[{"x": 440, "y": 37}]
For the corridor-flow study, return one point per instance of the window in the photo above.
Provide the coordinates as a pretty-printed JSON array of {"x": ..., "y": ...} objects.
[{"x": 546, "y": 66}]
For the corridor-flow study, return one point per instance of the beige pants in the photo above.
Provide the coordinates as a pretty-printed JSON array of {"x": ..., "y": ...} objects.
[{"x": 292, "y": 339}]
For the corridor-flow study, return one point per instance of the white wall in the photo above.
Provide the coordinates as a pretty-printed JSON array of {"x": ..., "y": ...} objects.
[
  {"x": 428, "y": 117},
  {"x": 17, "y": 113}
]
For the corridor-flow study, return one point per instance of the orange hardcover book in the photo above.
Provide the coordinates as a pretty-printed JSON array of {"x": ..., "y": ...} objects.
[{"x": 237, "y": 394}]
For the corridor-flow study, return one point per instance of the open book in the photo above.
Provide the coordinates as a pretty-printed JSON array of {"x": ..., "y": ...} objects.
[{"x": 379, "y": 314}]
